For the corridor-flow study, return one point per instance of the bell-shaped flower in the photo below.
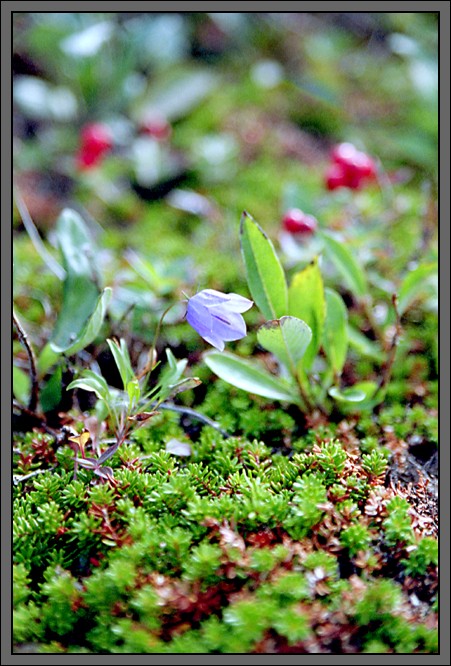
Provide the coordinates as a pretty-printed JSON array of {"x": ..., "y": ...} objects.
[{"x": 216, "y": 316}]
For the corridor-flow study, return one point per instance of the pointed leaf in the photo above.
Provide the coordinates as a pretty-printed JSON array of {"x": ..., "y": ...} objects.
[
  {"x": 306, "y": 301},
  {"x": 50, "y": 395},
  {"x": 415, "y": 284},
  {"x": 47, "y": 358},
  {"x": 122, "y": 360},
  {"x": 248, "y": 376},
  {"x": 21, "y": 385},
  {"x": 134, "y": 391},
  {"x": 335, "y": 335},
  {"x": 363, "y": 345},
  {"x": 80, "y": 291},
  {"x": 92, "y": 327},
  {"x": 287, "y": 338},
  {"x": 350, "y": 394},
  {"x": 346, "y": 265},
  {"x": 92, "y": 382},
  {"x": 265, "y": 275},
  {"x": 372, "y": 397}
]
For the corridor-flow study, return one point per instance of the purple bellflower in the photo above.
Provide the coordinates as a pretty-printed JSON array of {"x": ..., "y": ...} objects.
[{"x": 215, "y": 316}]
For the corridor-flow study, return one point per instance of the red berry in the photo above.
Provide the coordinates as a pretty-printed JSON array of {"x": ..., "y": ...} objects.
[
  {"x": 350, "y": 168},
  {"x": 336, "y": 177},
  {"x": 96, "y": 138},
  {"x": 87, "y": 160},
  {"x": 297, "y": 222},
  {"x": 157, "y": 127},
  {"x": 343, "y": 153}
]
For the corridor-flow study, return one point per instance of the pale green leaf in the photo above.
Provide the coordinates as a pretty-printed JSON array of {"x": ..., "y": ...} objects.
[
  {"x": 417, "y": 283},
  {"x": 346, "y": 264},
  {"x": 363, "y": 345},
  {"x": 350, "y": 394},
  {"x": 122, "y": 360},
  {"x": 335, "y": 335},
  {"x": 287, "y": 338},
  {"x": 92, "y": 382},
  {"x": 306, "y": 301},
  {"x": 134, "y": 391},
  {"x": 249, "y": 376},
  {"x": 80, "y": 290},
  {"x": 21, "y": 385},
  {"x": 92, "y": 327},
  {"x": 265, "y": 275}
]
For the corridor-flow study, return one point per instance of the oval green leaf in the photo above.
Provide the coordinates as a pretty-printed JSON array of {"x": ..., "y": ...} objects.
[
  {"x": 265, "y": 275},
  {"x": 248, "y": 376},
  {"x": 80, "y": 291},
  {"x": 287, "y": 338},
  {"x": 306, "y": 301},
  {"x": 346, "y": 265},
  {"x": 335, "y": 335}
]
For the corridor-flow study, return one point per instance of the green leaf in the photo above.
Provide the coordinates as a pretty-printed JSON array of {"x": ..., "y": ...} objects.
[
  {"x": 93, "y": 325},
  {"x": 47, "y": 358},
  {"x": 265, "y": 276},
  {"x": 134, "y": 391},
  {"x": 335, "y": 335},
  {"x": 183, "y": 385},
  {"x": 249, "y": 376},
  {"x": 350, "y": 394},
  {"x": 368, "y": 402},
  {"x": 287, "y": 338},
  {"x": 50, "y": 395},
  {"x": 346, "y": 264},
  {"x": 92, "y": 382},
  {"x": 415, "y": 284},
  {"x": 80, "y": 291},
  {"x": 21, "y": 385},
  {"x": 122, "y": 360},
  {"x": 363, "y": 345},
  {"x": 306, "y": 301}
]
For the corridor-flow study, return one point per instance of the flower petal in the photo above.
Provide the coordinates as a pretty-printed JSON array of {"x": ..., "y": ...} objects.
[
  {"x": 235, "y": 303},
  {"x": 215, "y": 317},
  {"x": 228, "y": 325},
  {"x": 198, "y": 316}
]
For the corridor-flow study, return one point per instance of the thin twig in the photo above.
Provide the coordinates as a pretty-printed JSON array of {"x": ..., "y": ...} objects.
[
  {"x": 388, "y": 365},
  {"x": 19, "y": 479},
  {"x": 34, "y": 394},
  {"x": 35, "y": 238},
  {"x": 368, "y": 312}
]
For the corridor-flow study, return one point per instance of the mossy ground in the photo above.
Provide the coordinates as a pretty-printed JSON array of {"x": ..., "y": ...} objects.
[{"x": 297, "y": 533}]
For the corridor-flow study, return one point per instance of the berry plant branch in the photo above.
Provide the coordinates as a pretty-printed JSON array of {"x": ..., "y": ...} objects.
[
  {"x": 34, "y": 393},
  {"x": 388, "y": 365},
  {"x": 35, "y": 238}
]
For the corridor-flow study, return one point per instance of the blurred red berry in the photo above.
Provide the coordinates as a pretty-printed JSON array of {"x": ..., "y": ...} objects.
[
  {"x": 95, "y": 141},
  {"x": 335, "y": 177},
  {"x": 350, "y": 167},
  {"x": 295, "y": 221},
  {"x": 343, "y": 153},
  {"x": 157, "y": 127}
]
